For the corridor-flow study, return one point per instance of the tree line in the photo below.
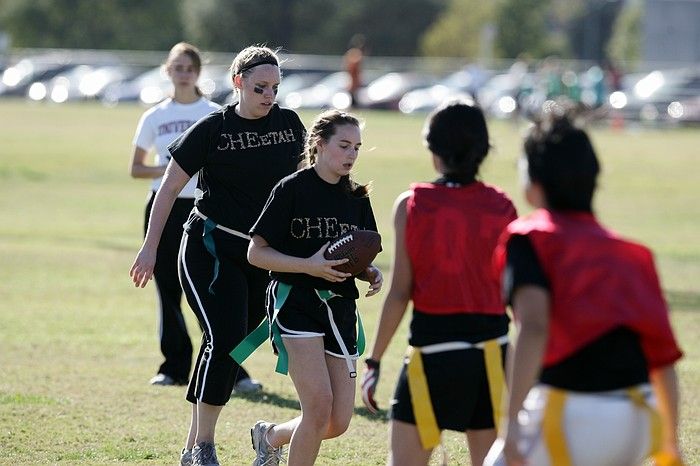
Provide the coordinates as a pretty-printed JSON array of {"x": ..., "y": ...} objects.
[{"x": 581, "y": 29}]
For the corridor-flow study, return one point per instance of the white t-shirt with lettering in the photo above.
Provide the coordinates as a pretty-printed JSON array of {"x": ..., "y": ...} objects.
[{"x": 162, "y": 123}]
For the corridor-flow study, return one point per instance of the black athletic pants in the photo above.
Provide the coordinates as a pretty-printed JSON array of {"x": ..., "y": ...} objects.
[
  {"x": 175, "y": 343},
  {"x": 234, "y": 307}
]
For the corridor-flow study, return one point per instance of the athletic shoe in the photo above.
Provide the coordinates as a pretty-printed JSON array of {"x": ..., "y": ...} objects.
[
  {"x": 165, "y": 379},
  {"x": 265, "y": 454},
  {"x": 204, "y": 454},
  {"x": 186, "y": 457},
  {"x": 247, "y": 385}
]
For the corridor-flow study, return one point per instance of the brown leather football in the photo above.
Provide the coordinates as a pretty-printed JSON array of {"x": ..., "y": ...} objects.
[{"x": 360, "y": 247}]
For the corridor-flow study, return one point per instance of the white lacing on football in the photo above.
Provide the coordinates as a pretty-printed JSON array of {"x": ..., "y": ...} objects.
[{"x": 339, "y": 243}]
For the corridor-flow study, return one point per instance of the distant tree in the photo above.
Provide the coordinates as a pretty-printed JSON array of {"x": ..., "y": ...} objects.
[
  {"x": 459, "y": 30},
  {"x": 590, "y": 28},
  {"x": 392, "y": 27},
  {"x": 625, "y": 43},
  {"x": 319, "y": 28},
  {"x": 115, "y": 24},
  {"x": 522, "y": 28},
  {"x": 230, "y": 25}
]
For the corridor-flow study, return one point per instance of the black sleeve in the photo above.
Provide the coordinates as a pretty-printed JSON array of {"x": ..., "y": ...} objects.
[
  {"x": 522, "y": 267},
  {"x": 369, "y": 223},
  {"x": 273, "y": 222},
  {"x": 190, "y": 149}
]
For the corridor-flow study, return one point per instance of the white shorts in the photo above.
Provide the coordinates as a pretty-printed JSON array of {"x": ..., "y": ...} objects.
[{"x": 597, "y": 429}]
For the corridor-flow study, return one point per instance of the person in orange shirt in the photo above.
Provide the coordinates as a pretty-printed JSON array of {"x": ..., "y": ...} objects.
[{"x": 353, "y": 65}]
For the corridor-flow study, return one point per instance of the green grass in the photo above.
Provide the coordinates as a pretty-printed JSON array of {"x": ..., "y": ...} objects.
[{"x": 78, "y": 342}]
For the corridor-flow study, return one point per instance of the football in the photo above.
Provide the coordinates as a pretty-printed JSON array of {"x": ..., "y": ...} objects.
[{"x": 360, "y": 247}]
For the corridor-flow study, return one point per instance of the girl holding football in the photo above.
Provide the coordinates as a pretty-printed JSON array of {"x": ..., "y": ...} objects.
[
  {"x": 311, "y": 306},
  {"x": 593, "y": 361},
  {"x": 239, "y": 153},
  {"x": 445, "y": 234}
]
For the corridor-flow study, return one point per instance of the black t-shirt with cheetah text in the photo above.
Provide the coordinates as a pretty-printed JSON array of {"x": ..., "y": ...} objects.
[
  {"x": 302, "y": 214},
  {"x": 239, "y": 161}
]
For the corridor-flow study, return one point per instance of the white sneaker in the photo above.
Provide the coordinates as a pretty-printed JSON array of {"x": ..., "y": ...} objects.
[
  {"x": 165, "y": 379},
  {"x": 247, "y": 385},
  {"x": 265, "y": 454},
  {"x": 162, "y": 379}
]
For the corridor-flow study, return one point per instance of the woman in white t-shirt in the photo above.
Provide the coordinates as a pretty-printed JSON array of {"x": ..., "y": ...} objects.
[{"x": 157, "y": 128}]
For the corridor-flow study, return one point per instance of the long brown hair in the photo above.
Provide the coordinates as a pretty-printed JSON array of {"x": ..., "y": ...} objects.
[{"x": 322, "y": 129}]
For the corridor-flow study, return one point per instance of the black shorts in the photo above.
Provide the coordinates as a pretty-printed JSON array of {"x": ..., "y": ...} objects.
[
  {"x": 305, "y": 315},
  {"x": 459, "y": 391}
]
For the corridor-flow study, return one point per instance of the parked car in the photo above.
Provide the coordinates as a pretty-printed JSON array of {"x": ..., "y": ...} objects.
[
  {"x": 655, "y": 96},
  {"x": 319, "y": 95},
  {"x": 290, "y": 83},
  {"x": 386, "y": 91},
  {"x": 330, "y": 91},
  {"x": 685, "y": 111},
  {"x": 149, "y": 87},
  {"x": 62, "y": 87},
  {"x": 460, "y": 84},
  {"x": 215, "y": 82},
  {"x": 93, "y": 84},
  {"x": 295, "y": 81},
  {"x": 17, "y": 79},
  {"x": 499, "y": 96}
]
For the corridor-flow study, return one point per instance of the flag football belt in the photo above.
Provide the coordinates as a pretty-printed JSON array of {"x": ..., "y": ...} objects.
[
  {"x": 553, "y": 429},
  {"x": 426, "y": 423},
  {"x": 208, "y": 239},
  {"x": 258, "y": 336}
]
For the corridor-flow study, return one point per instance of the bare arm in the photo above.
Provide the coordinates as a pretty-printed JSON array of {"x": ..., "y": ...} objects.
[
  {"x": 531, "y": 304},
  {"x": 399, "y": 293},
  {"x": 264, "y": 256},
  {"x": 173, "y": 182},
  {"x": 665, "y": 384},
  {"x": 138, "y": 167}
]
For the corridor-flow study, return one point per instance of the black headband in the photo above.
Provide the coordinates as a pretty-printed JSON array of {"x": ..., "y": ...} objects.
[{"x": 262, "y": 61}]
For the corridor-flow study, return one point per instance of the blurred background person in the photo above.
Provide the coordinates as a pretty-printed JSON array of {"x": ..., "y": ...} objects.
[
  {"x": 157, "y": 128},
  {"x": 352, "y": 61}
]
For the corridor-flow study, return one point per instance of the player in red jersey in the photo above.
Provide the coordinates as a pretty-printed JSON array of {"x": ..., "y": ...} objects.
[
  {"x": 446, "y": 232},
  {"x": 593, "y": 327}
]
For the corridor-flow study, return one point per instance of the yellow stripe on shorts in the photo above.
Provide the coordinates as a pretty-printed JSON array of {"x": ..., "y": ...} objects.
[
  {"x": 553, "y": 428},
  {"x": 420, "y": 400},
  {"x": 640, "y": 401},
  {"x": 666, "y": 459},
  {"x": 496, "y": 378}
]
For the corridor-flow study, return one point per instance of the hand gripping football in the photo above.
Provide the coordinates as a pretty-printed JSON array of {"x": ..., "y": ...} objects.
[{"x": 360, "y": 247}]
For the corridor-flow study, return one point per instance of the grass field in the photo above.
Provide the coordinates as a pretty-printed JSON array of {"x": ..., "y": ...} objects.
[{"x": 78, "y": 342}]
